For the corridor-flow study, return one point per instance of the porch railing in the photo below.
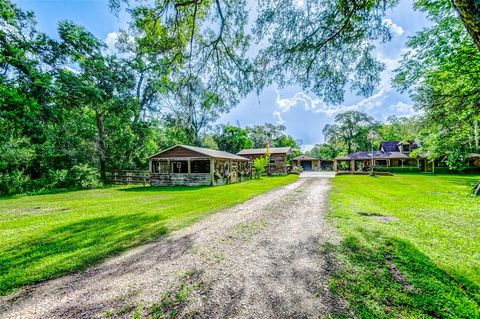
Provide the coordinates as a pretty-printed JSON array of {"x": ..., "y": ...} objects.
[{"x": 128, "y": 177}]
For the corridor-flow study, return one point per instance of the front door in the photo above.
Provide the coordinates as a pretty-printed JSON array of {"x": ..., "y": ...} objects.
[{"x": 306, "y": 165}]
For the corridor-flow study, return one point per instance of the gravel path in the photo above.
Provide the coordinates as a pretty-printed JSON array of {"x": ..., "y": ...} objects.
[{"x": 260, "y": 259}]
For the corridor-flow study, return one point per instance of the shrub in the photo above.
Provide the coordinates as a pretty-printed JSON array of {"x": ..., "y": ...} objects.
[
  {"x": 84, "y": 176},
  {"x": 296, "y": 170},
  {"x": 260, "y": 163},
  {"x": 13, "y": 182},
  {"x": 407, "y": 169}
]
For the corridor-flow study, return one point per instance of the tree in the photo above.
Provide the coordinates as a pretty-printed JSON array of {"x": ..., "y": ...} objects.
[
  {"x": 323, "y": 151},
  {"x": 469, "y": 11},
  {"x": 350, "y": 131},
  {"x": 27, "y": 58},
  {"x": 272, "y": 134},
  {"x": 320, "y": 45},
  {"x": 232, "y": 139},
  {"x": 101, "y": 84},
  {"x": 260, "y": 164},
  {"x": 441, "y": 74},
  {"x": 399, "y": 128}
]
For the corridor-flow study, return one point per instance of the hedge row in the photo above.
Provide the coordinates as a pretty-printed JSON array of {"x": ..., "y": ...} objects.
[{"x": 406, "y": 169}]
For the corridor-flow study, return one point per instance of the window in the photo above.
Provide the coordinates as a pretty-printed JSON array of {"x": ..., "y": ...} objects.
[
  {"x": 200, "y": 166},
  {"x": 406, "y": 147},
  {"x": 179, "y": 166},
  {"x": 380, "y": 163}
]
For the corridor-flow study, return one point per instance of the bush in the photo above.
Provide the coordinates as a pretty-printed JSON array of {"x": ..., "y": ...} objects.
[
  {"x": 296, "y": 170},
  {"x": 84, "y": 176},
  {"x": 407, "y": 169},
  {"x": 260, "y": 163},
  {"x": 13, "y": 182}
]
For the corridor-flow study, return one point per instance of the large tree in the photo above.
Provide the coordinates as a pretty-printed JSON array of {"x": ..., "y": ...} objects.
[
  {"x": 441, "y": 72},
  {"x": 232, "y": 139},
  {"x": 271, "y": 134},
  {"x": 469, "y": 11},
  {"x": 349, "y": 131}
]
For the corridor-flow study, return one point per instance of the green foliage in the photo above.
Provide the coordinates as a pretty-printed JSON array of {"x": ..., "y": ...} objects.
[
  {"x": 50, "y": 235},
  {"x": 296, "y": 170},
  {"x": 349, "y": 132},
  {"x": 323, "y": 151},
  {"x": 85, "y": 177},
  {"x": 272, "y": 134},
  {"x": 405, "y": 169},
  {"x": 322, "y": 44},
  {"x": 399, "y": 129},
  {"x": 409, "y": 247},
  {"x": 233, "y": 139},
  {"x": 260, "y": 164},
  {"x": 441, "y": 73}
]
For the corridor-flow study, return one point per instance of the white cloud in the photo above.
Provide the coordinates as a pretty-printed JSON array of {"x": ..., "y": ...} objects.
[
  {"x": 278, "y": 116},
  {"x": 307, "y": 147},
  {"x": 401, "y": 107},
  {"x": 111, "y": 40},
  {"x": 398, "y": 30},
  {"x": 317, "y": 105}
]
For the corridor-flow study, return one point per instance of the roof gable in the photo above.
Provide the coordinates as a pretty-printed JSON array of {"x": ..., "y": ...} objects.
[
  {"x": 304, "y": 157},
  {"x": 389, "y": 146},
  {"x": 192, "y": 151},
  {"x": 261, "y": 151}
]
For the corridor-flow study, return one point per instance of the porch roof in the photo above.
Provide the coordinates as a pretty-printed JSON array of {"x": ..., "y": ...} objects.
[
  {"x": 204, "y": 151},
  {"x": 304, "y": 158},
  {"x": 376, "y": 155}
]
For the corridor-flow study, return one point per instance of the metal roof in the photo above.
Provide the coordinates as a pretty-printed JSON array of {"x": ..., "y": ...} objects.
[
  {"x": 261, "y": 151},
  {"x": 207, "y": 152},
  {"x": 304, "y": 157},
  {"x": 376, "y": 155}
]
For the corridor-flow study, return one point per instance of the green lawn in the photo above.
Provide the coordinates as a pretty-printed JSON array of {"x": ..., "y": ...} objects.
[
  {"x": 45, "y": 236},
  {"x": 423, "y": 261}
]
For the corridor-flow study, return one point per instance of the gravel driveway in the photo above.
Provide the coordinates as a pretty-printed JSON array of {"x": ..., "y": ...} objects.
[{"x": 260, "y": 259}]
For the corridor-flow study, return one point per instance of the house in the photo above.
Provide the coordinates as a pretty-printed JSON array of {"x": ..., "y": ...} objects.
[
  {"x": 278, "y": 158},
  {"x": 309, "y": 163},
  {"x": 183, "y": 165},
  {"x": 391, "y": 154}
]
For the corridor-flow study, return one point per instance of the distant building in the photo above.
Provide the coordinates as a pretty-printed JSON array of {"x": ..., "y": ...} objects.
[
  {"x": 309, "y": 163},
  {"x": 391, "y": 154},
  {"x": 278, "y": 158},
  {"x": 183, "y": 165}
]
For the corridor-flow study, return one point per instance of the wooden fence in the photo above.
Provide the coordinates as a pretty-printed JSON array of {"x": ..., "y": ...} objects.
[{"x": 129, "y": 177}]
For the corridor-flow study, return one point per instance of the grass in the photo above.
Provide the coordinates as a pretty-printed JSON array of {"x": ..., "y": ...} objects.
[
  {"x": 46, "y": 236},
  {"x": 411, "y": 246}
]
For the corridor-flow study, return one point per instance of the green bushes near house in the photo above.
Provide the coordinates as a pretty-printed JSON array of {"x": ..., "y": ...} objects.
[{"x": 406, "y": 169}]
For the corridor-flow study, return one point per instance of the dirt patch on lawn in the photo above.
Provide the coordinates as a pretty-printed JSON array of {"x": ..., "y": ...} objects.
[{"x": 261, "y": 259}]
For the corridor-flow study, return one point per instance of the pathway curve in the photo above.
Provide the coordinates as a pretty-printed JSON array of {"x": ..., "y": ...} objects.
[{"x": 261, "y": 259}]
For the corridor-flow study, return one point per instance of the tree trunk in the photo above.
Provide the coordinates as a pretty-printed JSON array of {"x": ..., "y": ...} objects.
[
  {"x": 102, "y": 146},
  {"x": 469, "y": 11}
]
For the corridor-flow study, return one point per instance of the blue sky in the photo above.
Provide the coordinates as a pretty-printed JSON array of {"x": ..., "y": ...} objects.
[{"x": 302, "y": 113}]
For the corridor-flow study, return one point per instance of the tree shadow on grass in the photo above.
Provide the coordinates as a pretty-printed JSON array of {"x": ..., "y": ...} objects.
[
  {"x": 72, "y": 247},
  {"x": 157, "y": 189},
  {"x": 386, "y": 277}
]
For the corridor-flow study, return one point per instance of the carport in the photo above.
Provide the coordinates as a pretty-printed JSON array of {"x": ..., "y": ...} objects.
[{"x": 308, "y": 163}]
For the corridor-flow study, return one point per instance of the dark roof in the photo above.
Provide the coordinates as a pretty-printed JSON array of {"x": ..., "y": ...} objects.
[
  {"x": 304, "y": 157},
  {"x": 376, "y": 155},
  {"x": 394, "y": 146},
  {"x": 261, "y": 151},
  {"x": 205, "y": 151},
  {"x": 389, "y": 146}
]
